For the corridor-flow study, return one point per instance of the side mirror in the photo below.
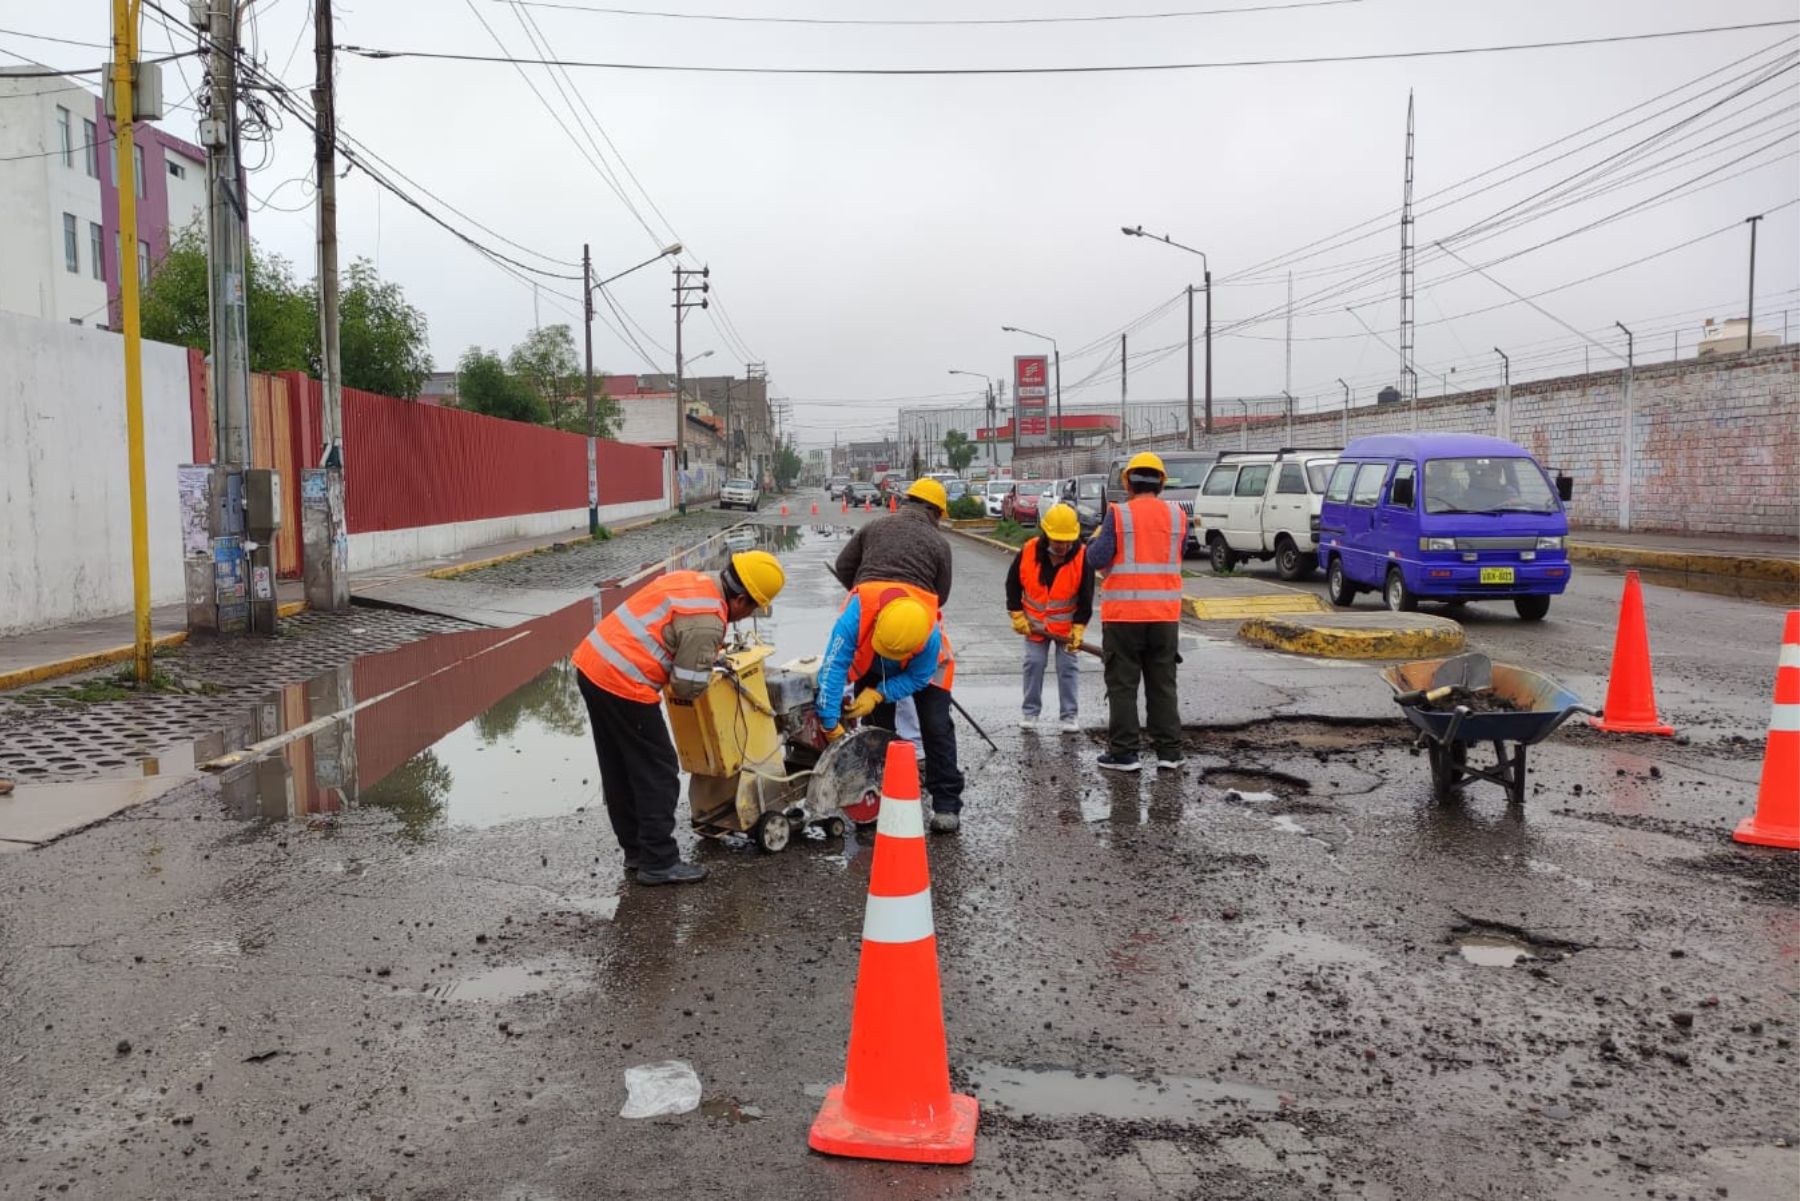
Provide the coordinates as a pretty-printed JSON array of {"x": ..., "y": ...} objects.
[
  {"x": 1565, "y": 487},
  {"x": 1401, "y": 494}
]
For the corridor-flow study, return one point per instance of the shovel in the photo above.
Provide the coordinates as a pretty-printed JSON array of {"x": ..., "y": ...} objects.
[
  {"x": 1470, "y": 673},
  {"x": 1087, "y": 648}
]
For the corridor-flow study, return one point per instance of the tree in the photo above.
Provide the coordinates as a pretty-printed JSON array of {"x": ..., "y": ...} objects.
[
  {"x": 483, "y": 385},
  {"x": 958, "y": 450},
  {"x": 381, "y": 338},
  {"x": 787, "y": 466}
]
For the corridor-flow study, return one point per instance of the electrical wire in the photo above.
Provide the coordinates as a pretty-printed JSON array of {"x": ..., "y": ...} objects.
[
  {"x": 924, "y": 21},
  {"x": 374, "y": 52}
]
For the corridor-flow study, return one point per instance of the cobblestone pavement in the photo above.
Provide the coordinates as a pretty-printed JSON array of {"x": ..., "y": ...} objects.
[
  {"x": 585, "y": 564},
  {"x": 86, "y": 727}
]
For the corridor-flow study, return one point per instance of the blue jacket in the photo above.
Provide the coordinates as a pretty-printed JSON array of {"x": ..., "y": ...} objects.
[{"x": 897, "y": 681}]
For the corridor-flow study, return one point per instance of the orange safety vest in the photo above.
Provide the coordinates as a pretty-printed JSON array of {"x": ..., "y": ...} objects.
[
  {"x": 626, "y": 655},
  {"x": 873, "y": 595},
  {"x": 1144, "y": 580},
  {"x": 1053, "y": 605}
]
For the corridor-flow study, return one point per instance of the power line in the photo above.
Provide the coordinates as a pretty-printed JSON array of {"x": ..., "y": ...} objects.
[
  {"x": 373, "y": 52},
  {"x": 926, "y": 21}
]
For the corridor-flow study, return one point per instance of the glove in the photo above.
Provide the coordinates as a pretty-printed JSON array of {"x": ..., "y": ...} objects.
[
  {"x": 1074, "y": 642},
  {"x": 864, "y": 704},
  {"x": 1021, "y": 627},
  {"x": 833, "y": 734}
]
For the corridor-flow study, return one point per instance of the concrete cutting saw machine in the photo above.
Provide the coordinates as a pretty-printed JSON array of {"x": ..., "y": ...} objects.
[{"x": 757, "y": 761}]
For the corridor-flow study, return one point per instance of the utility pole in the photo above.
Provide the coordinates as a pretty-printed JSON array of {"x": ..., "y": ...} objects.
[
  {"x": 1627, "y": 466},
  {"x": 1503, "y": 405},
  {"x": 1289, "y": 396},
  {"x": 322, "y": 515},
  {"x": 228, "y": 253},
  {"x": 593, "y": 405},
  {"x": 1124, "y": 363},
  {"x": 1346, "y": 431},
  {"x": 730, "y": 453},
  {"x": 1409, "y": 378},
  {"x": 1750, "y": 305},
  {"x": 1190, "y": 368},
  {"x": 1209, "y": 396},
  {"x": 682, "y": 304},
  {"x": 1287, "y": 384},
  {"x": 124, "y": 74}
]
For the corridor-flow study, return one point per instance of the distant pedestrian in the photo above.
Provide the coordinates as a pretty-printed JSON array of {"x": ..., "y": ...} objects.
[
  {"x": 1138, "y": 546},
  {"x": 1050, "y": 597}
]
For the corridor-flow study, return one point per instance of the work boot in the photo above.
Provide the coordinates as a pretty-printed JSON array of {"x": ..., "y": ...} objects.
[
  {"x": 945, "y": 823},
  {"x": 680, "y": 873},
  {"x": 1029, "y": 723},
  {"x": 1171, "y": 762},
  {"x": 1070, "y": 725},
  {"x": 1119, "y": 761},
  {"x": 631, "y": 863}
]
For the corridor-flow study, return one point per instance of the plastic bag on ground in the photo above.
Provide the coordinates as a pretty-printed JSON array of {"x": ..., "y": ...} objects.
[{"x": 655, "y": 1089}]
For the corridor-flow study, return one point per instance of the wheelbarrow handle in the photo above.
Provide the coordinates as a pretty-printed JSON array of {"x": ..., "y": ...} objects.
[{"x": 1424, "y": 696}]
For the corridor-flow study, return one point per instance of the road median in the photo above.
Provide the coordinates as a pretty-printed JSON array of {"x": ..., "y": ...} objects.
[{"x": 1355, "y": 635}]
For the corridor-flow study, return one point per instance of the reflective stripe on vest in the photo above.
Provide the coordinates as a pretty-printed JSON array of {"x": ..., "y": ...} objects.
[
  {"x": 873, "y": 595},
  {"x": 1051, "y": 606},
  {"x": 628, "y": 656},
  {"x": 1137, "y": 588}
]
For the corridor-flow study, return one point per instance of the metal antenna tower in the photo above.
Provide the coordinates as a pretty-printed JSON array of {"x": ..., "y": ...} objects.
[{"x": 1408, "y": 379}]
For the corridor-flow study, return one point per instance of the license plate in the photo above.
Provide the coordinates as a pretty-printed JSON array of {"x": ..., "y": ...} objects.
[{"x": 1496, "y": 575}]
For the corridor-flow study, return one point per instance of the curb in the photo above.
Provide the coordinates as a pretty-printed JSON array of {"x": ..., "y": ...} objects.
[
  {"x": 37, "y": 673},
  {"x": 1743, "y": 567},
  {"x": 1237, "y": 608},
  {"x": 1339, "y": 638},
  {"x": 972, "y": 536},
  {"x": 456, "y": 569}
]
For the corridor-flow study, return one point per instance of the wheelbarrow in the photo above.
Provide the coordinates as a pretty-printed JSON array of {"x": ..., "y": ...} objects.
[{"x": 1468, "y": 699}]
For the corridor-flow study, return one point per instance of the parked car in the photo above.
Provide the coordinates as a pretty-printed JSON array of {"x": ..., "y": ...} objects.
[
  {"x": 834, "y": 487},
  {"x": 1089, "y": 502},
  {"x": 1446, "y": 517},
  {"x": 1186, "y": 470},
  {"x": 1020, "y": 504},
  {"x": 740, "y": 494},
  {"x": 858, "y": 492},
  {"x": 1264, "y": 505},
  {"x": 994, "y": 494}
]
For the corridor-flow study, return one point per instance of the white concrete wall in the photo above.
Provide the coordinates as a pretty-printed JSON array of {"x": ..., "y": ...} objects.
[
  {"x": 187, "y": 195},
  {"x": 35, "y": 192},
  {"x": 65, "y": 516}
]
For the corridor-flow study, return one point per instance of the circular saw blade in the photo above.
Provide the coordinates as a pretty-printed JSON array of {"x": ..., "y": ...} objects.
[{"x": 848, "y": 777}]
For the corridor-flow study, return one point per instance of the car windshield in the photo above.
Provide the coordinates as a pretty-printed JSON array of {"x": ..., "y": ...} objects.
[
  {"x": 999, "y": 487},
  {"x": 1093, "y": 489},
  {"x": 1051, "y": 491},
  {"x": 1499, "y": 485},
  {"x": 1317, "y": 472},
  {"x": 1185, "y": 473},
  {"x": 746, "y": 485}
]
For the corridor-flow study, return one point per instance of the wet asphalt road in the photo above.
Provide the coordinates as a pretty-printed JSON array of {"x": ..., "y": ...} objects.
[{"x": 1253, "y": 966}]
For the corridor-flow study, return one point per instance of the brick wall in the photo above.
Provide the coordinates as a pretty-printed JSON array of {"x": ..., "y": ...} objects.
[{"x": 1715, "y": 445}]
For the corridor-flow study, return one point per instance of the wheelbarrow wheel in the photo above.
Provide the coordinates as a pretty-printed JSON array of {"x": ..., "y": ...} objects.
[
  {"x": 773, "y": 830},
  {"x": 1446, "y": 770}
]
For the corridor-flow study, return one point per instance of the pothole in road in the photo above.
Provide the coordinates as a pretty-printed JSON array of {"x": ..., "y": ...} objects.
[
  {"x": 1494, "y": 950},
  {"x": 1327, "y": 735},
  {"x": 1255, "y": 785},
  {"x": 507, "y": 982},
  {"x": 1064, "y": 1093}
]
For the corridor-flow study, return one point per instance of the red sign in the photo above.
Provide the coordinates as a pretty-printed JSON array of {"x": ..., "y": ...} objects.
[{"x": 1031, "y": 393}]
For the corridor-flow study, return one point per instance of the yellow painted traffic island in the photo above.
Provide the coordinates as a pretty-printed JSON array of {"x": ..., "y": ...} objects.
[{"x": 1356, "y": 635}]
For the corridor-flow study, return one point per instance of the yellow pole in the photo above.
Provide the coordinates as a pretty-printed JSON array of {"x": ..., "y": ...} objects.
[{"x": 125, "y": 23}]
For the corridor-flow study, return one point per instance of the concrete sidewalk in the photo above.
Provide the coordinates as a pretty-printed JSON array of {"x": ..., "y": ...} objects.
[
  {"x": 1775, "y": 559},
  {"x": 39, "y": 655}
]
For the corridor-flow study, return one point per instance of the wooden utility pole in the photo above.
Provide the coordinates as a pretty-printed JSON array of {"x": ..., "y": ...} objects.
[{"x": 322, "y": 519}]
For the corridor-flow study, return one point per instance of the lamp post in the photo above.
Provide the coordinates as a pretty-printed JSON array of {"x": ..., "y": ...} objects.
[
  {"x": 681, "y": 306},
  {"x": 1346, "y": 435},
  {"x": 993, "y": 437},
  {"x": 1206, "y": 267},
  {"x": 1057, "y": 352},
  {"x": 1503, "y": 409},
  {"x": 593, "y": 412}
]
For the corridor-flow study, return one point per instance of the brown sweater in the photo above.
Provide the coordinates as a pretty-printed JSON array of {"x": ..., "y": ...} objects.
[{"x": 905, "y": 547}]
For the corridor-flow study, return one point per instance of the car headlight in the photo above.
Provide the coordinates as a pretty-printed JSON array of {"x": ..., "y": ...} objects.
[
  {"x": 1550, "y": 543},
  {"x": 1437, "y": 544}
]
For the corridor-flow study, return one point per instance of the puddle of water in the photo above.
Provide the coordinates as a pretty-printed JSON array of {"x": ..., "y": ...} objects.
[
  {"x": 1255, "y": 783},
  {"x": 1062, "y": 1093},
  {"x": 730, "y": 1109},
  {"x": 1251, "y": 798},
  {"x": 508, "y": 982},
  {"x": 1493, "y": 950},
  {"x": 1287, "y": 824},
  {"x": 1312, "y": 948}
]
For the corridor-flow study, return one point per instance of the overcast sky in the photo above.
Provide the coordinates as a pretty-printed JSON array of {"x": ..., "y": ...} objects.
[{"x": 869, "y": 233}]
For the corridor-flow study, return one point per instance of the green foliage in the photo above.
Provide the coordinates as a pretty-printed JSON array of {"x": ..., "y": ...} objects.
[
  {"x": 1012, "y": 532},
  {"x": 381, "y": 338},
  {"x": 787, "y": 467},
  {"x": 547, "y": 364},
  {"x": 968, "y": 508},
  {"x": 958, "y": 450},
  {"x": 483, "y": 385}
]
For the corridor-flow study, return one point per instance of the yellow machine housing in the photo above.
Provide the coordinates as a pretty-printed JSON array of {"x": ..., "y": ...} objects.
[{"x": 729, "y": 728}]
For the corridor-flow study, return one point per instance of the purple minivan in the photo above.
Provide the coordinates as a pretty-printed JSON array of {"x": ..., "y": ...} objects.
[{"x": 1444, "y": 517}]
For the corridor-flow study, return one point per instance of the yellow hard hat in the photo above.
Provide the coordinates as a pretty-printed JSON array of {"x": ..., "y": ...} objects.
[
  {"x": 901, "y": 629},
  {"x": 760, "y": 573},
  {"x": 1060, "y": 524},
  {"x": 1146, "y": 461},
  {"x": 931, "y": 492}
]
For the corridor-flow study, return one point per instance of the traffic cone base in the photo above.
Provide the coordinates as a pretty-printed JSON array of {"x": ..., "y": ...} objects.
[
  {"x": 1776, "y": 822},
  {"x": 948, "y": 1140},
  {"x": 1631, "y": 687}
]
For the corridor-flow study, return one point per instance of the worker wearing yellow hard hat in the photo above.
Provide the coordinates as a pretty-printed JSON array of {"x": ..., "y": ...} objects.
[
  {"x": 1050, "y": 596},
  {"x": 664, "y": 638},
  {"x": 1138, "y": 548},
  {"x": 906, "y": 548}
]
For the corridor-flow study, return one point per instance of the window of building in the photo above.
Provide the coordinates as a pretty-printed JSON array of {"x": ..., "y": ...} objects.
[
  {"x": 65, "y": 137},
  {"x": 143, "y": 263},
  {"x": 91, "y": 151},
  {"x": 177, "y": 170},
  {"x": 137, "y": 168},
  {"x": 97, "y": 251},
  {"x": 71, "y": 248}
]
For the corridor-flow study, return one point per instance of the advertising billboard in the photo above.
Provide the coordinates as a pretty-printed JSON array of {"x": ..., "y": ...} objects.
[{"x": 1031, "y": 399}]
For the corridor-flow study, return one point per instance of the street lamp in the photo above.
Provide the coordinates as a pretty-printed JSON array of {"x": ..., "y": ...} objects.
[
  {"x": 1057, "y": 352},
  {"x": 1346, "y": 437},
  {"x": 993, "y": 437},
  {"x": 1206, "y": 266}
]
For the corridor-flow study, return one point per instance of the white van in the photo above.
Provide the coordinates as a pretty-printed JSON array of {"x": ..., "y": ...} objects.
[{"x": 1264, "y": 505}]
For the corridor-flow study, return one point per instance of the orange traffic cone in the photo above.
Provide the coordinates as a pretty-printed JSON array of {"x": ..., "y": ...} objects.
[
  {"x": 1777, "y": 820},
  {"x": 893, "y": 504},
  {"x": 784, "y": 508},
  {"x": 895, "y": 1102},
  {"x": 815, "y": 511},
  {"x": 846, "y": 508},
  {"x": 1631, "y": 692}
]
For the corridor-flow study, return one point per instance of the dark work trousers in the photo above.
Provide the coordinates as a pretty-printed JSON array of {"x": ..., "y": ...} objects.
[
  {"x": 640, "y": 777},
  {"x": 943, "y": 778},
  {"x": 1146, "y": 650}
]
